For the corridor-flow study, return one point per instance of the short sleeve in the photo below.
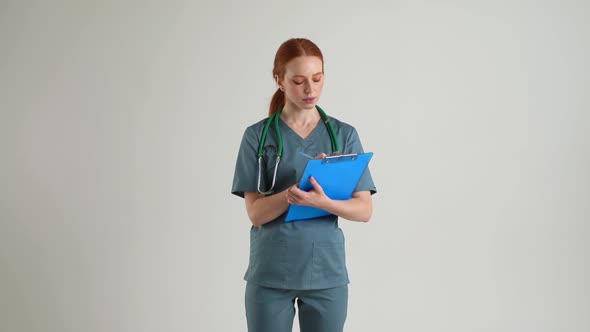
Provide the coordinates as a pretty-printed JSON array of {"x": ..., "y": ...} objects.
[
  {"x": 246, "y": 171},
  {"x": 353, "y": 145}
]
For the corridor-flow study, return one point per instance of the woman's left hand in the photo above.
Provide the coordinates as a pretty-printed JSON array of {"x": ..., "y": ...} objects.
[{"x": 315, "y": 197}]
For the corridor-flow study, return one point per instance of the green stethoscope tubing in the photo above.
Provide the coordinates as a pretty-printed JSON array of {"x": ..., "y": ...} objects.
[{"x": 274, "y": 119}]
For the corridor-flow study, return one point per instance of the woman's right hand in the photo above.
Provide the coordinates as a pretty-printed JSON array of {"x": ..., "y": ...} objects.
[{"x": 320, "y": 156}]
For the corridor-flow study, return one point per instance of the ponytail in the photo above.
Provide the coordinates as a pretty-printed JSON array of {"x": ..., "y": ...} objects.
[{"x": 277, "y": 101}]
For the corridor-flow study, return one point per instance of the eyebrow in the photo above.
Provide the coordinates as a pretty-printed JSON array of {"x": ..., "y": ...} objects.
[{"x": 320, "y": 73}]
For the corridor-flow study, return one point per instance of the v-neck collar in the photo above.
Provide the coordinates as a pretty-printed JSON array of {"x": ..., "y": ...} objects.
[{"x": 285, "y": 128}]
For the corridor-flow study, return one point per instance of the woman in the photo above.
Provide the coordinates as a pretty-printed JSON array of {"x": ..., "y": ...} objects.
[{"x": 299, "y": 261}]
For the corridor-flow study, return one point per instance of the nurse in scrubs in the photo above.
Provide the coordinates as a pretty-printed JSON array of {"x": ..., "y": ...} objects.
[{"x": 300, "y": 262}]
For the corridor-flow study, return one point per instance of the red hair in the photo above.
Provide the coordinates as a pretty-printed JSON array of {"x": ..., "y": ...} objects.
[{"x": 289, "y": 50}]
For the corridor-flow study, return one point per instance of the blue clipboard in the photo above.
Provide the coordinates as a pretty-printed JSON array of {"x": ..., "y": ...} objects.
[{"x": 338, "y": 176}]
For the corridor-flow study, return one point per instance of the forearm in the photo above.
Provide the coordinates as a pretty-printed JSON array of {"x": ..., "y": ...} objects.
[
  {"x": 263, "y": 209},
  {"x": 357, "y": 208}
]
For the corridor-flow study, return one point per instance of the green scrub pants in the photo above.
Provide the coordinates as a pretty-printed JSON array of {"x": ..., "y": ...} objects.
[{"x": 273, "y": 310}]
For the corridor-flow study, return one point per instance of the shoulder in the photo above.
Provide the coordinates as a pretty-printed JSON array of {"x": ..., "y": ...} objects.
[
  {"x": 342, "y": 127},
  {"x": 255, "y": 129}
]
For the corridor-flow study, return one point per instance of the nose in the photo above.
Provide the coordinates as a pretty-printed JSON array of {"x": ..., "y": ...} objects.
[{"x": 307, "y": 88}]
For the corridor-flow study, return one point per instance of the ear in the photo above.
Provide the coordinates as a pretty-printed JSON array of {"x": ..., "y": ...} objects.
[{"x": 279, "y": 83}]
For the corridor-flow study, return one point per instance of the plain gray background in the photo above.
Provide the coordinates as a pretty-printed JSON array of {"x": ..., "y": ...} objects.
[{"x": 120, "y": 122}]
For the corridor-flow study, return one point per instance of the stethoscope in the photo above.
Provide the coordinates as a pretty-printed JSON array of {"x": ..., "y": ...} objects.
[{"x": 275, "y": 119}]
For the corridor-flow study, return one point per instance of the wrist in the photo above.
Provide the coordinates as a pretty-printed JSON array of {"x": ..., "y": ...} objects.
[{"x": 326, "y": 203}]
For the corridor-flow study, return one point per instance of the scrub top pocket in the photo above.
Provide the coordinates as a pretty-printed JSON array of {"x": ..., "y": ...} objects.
[
  {"x": 268, "y": 263},
  {"x": 329, "y": 265}
]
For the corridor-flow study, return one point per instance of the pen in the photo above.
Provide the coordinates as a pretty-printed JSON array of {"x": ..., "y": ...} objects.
[{"x": 305, "y": 155}]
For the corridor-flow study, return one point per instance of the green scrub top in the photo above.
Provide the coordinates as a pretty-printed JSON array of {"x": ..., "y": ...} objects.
[{"x": 307, "y": 254}]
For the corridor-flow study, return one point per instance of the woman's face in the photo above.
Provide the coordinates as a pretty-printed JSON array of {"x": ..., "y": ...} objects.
[{"x": 303, "y": 82}]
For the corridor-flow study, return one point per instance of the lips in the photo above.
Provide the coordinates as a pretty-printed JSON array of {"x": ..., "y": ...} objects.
[{"x": 308, "y": 100}]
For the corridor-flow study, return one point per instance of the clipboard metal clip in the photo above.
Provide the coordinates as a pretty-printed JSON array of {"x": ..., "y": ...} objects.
[{"x": 339, "y": 158}]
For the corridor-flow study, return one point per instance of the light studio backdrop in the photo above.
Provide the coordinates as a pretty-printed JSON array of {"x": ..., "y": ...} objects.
[{"x": 119, "y": 127}]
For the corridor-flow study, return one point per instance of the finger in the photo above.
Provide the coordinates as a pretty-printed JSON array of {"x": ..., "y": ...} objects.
[
  {"x": 320, "y": 156},
  {"x": 294, "y": 188},
  {"x": 292, "y": 194},
  {"x": 316, "y": 186},
  {"x": 296, "y": 191}
]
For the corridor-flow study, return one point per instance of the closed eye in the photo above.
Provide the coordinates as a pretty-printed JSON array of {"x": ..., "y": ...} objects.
[{"x": 315, "y": 80}]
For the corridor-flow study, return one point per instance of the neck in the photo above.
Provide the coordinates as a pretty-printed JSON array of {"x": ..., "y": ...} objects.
[{"x": 298, "y": 116}]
